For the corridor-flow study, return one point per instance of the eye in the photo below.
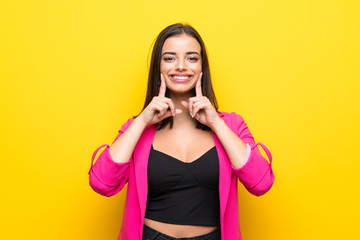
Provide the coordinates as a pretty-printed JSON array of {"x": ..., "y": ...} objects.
[
  {"x": 193, "y": 59},
  {"x": 168, "y": 59}
]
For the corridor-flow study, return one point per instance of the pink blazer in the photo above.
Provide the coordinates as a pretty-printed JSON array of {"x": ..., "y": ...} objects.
[{"x": 108, "y": 178}]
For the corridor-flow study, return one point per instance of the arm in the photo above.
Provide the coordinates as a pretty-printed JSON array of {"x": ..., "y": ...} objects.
[
  {"x": 124, "y": 144},
  {"x": 256, "y": 174},
  {"x": 111, "y": 171},
  {"x": 107, "y": 176},
  {"x": 234, "y": 146}
]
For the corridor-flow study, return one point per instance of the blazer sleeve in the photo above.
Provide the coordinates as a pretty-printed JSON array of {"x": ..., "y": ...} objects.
[
  {"x": 256, "y": 174},
  {"x": 107, "y": 177}
]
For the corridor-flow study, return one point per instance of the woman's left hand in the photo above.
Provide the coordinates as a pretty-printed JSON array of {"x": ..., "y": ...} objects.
[{"x": 201, "y": 108}]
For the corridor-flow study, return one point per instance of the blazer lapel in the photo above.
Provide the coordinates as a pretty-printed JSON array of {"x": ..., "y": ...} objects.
[
  {"x": 224, "y": 175},
  {"x": 141, "y": 157}
]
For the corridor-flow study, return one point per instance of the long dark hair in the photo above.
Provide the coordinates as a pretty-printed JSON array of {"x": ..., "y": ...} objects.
[{"x": 154, "y": 72}]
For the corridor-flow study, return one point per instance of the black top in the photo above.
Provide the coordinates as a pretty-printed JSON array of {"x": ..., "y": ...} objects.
[{"x": 183, "y": 193}]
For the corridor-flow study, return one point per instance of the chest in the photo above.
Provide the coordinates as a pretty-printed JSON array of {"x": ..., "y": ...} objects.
[{"x": 185, "y": 146}]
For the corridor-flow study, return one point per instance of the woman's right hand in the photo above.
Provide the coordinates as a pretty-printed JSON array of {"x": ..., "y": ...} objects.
[{"x": 160, "y": 107}]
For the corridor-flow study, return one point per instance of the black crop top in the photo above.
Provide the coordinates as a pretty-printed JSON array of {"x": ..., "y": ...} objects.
[{"x": 183, "y": 193}]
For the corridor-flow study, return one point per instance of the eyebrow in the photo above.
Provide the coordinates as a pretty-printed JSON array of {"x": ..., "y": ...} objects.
[{"x": 174, "y": 53}]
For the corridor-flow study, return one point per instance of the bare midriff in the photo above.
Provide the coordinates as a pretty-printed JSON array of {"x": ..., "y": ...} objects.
[{"x": 179, "y": 231}]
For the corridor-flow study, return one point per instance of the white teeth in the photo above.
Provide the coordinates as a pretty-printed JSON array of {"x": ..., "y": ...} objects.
[{"x": 181, "y": 77}]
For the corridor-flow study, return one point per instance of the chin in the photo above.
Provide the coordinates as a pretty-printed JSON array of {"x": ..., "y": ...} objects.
[{"x": 182, "y": 91}]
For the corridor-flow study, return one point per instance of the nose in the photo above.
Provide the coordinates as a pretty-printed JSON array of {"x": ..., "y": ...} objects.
[{"x": 181, "y": 65}]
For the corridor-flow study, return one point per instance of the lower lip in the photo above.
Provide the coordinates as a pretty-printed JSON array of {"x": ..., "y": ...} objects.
[{"x": 181, "y": 80}]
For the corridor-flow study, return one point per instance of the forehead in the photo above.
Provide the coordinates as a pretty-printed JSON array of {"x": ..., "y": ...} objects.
[{"x": 181, "y": 43}]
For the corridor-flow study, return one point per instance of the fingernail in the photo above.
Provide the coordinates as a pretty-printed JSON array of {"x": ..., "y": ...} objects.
[{"x": 191, "y": 115}]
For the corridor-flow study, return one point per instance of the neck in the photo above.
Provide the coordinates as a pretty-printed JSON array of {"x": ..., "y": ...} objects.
[
  {"x": 184, "y": 117},
  {"x": 178, "y": 98}
]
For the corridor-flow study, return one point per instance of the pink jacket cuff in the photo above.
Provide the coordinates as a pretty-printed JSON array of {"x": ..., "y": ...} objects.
[
  {"x": 106, "y": 176},
  {"x": 256, "y": 174}
]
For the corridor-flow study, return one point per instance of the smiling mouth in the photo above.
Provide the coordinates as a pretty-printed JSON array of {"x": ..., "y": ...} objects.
[{"x": 177, "y": 78}]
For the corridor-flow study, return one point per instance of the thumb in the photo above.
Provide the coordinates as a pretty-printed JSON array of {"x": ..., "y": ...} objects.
[{"x": 185, "y": 104}]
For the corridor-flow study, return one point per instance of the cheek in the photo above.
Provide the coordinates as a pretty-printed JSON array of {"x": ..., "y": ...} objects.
[
  {"x": 164, "y": 67},
  {"x": 161, "y": 67},
  {"x": 197, "y": 67}
]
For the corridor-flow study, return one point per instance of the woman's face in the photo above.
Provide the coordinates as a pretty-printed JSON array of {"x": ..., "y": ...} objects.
[{"x": 181, "y": 63}]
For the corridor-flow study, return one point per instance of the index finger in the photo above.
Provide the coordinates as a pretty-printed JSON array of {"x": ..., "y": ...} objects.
[
  {"x": 162, "y": 86},
  {"x": 198, "y": 89}
]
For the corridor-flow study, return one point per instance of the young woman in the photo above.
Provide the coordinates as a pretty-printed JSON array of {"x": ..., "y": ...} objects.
[{"x": 180, "y": 156}]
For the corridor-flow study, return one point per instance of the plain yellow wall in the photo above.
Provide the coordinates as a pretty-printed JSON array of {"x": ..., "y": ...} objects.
[{"x": 73, "y": 71}]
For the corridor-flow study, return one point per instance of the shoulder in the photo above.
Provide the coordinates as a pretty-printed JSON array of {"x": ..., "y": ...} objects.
[
  {"x": 231, "y": 119},
  {"x": 124, "y": 127},
  {"x": 126, "y": 124},
  {"x": 237, "y": 124}
]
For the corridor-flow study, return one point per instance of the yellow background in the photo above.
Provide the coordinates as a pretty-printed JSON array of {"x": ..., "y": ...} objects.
[{"x": 73, "y": 71}]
